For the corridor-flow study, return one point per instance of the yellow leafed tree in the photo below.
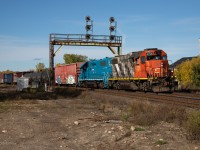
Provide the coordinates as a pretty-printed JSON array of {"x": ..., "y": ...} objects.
[{"x": 188, "y": 73}]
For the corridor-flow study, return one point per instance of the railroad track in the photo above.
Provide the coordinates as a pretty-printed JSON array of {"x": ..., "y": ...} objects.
[{"x": 189, "y": 100}]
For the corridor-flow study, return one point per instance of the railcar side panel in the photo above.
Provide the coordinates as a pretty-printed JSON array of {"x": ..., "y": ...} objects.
[
  {"x": 8, "y": 78},
  {"x": 1, "y": 78},
  {"x": 67, "y": 74}
]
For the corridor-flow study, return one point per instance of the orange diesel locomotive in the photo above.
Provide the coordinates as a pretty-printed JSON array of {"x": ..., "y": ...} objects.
[{"x": 146, "y": 70}]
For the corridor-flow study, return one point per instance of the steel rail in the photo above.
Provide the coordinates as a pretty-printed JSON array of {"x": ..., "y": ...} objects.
[{"x": 163, "y": 98}]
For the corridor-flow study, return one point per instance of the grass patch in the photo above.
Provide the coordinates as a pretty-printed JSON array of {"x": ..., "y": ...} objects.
[
  {"x": 37, "y": 94},
  {"x": 161, "y": 142},
  {"x": 139, "y": 129},
  {"x": 67, "y": 92},
  {"x": 4, "y": 106},
  {"x": 193, "y": 125},
  {"x": 125, "y": 116},
  {"x": 144, "y": 114}
]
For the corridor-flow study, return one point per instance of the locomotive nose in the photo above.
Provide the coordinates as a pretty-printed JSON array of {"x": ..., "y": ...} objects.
[
  {"x": 160, "y": 69},
  {"x": 164, "y": 68}
]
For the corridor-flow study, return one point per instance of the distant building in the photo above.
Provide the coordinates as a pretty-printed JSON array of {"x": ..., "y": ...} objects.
[{"x": 178, "y": 62}]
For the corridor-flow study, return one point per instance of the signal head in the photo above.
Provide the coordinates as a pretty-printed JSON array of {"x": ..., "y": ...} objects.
[
  {"x": 88, "y": 27},
  {"x": 112, "y": 37},
  {"x": 112, "y": 28},
  {"x": 87, "y": 18},
  {"x": 87, "y": 36},
  {"x": 112, "y": 19}
]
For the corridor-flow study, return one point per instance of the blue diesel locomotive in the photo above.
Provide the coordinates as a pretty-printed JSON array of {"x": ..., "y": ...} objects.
[{"x": 95, "y": 73}]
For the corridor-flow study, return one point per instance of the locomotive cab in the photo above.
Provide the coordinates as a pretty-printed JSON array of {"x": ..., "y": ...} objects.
[
  {"x": 151, "y": 70},
  {"x": 157, "y": 70},
  {"x": 157, "y": 64}
]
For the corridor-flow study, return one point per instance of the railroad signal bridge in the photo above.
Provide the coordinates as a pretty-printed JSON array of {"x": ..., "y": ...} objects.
[{"x": 87, "y": 39}]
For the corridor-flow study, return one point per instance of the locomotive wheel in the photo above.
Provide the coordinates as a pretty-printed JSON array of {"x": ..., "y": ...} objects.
[
  {"x": 97, "y": 85},
  {"x": 118, "y": 86},
  {"x": 115, "y": 85},
  {"x": 85, "y": 85},
  {"x": 101, "y": 85}
]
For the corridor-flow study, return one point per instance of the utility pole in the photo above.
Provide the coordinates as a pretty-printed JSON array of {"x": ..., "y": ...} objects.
[{"x": 199, "y": 46}]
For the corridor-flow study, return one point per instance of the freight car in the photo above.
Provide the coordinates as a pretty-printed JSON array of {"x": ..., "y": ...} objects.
[
  {"x": 1, "y": 78},
  {"x": 37, "y": 79},
  {"x": 19, "y": 74},
  {"x": 8, "y": 78},
  {"x": 11, "y": 78},
  {"x": 146, "y": 70},
  {"x": 67, "y": 74}
]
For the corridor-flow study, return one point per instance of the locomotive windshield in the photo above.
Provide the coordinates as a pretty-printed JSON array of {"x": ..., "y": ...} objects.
[{"x": 157, "y": 57}]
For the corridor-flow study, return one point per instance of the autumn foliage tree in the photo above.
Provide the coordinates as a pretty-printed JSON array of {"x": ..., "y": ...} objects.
[
  {"x": 73, "y": 58},
  {"x": 196, "y": 71},
  {"x": 40, "y": 67},
  {"x": 6, "y": 71},
  {"x": 188, "y": 73}
]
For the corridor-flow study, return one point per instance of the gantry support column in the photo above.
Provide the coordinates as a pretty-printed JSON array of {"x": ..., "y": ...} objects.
[
  {"x": 51, "y": 61},
  {"x": 119, "y": 50}
]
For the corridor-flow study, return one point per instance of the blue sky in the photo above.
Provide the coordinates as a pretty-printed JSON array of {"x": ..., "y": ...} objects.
[{"x": 25, "y": 25}]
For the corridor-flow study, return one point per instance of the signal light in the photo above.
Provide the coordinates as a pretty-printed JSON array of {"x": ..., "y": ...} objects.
[
  {"x": 88, "y": 27},
  {"x": 112, "y": 28},
  {"x": 87, "y": 18},
  {"x": 112, "y": 19},
  {"x": 87, "y": 36},
  {"x": 112, "y": 37}
]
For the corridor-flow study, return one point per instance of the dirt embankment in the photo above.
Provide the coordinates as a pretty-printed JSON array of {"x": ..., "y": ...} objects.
[{"x": 82, "y": 121}]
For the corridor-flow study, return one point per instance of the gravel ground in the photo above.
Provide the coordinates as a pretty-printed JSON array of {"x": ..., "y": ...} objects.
[{"x": 71, "y": 123}]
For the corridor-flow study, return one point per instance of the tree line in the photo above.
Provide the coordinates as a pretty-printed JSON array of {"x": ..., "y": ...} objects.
[
  {"x": 188, "y": 73},
  {"x": 68, "y": 58}
]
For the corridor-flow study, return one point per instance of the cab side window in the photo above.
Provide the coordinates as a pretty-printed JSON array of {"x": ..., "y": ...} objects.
[
  {"x": 164, "y": 57},
  {"x": 143, "y": 59}
]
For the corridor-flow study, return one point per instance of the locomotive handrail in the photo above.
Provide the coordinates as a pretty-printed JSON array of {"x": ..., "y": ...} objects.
[{"x": 54, "y": 37}]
